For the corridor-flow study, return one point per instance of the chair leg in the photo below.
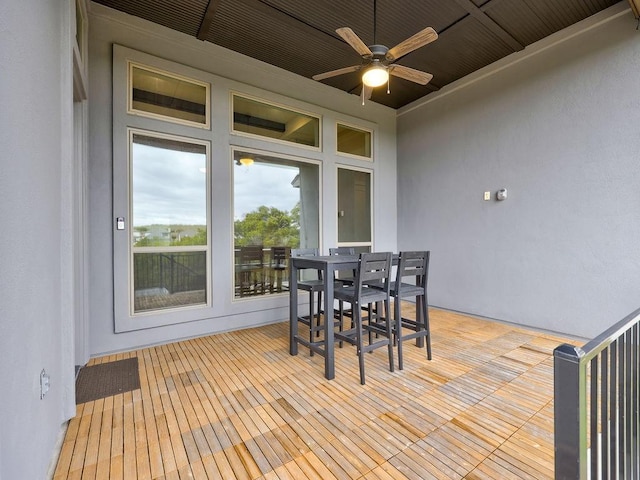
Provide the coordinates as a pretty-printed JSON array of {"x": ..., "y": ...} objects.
[
  {"x": 425, "y": 324},
  {"x": 319, "y": 309},
  {"x": 388, "y": 320},
  {"x": 341, "y": 313},
  {"x": 396, "y": 309},
  {"x": 360, "y": 347},
  {"x": 370, "y": 320},
  {"x": 419, "y": 320},
  {"x": 340, "y": 321},
  {"x": 311, "y": 320},
  {"x": 398, "y": 336}
]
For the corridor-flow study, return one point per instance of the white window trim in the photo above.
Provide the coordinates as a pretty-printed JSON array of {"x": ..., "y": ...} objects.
[{"x": 125, "y": 317}]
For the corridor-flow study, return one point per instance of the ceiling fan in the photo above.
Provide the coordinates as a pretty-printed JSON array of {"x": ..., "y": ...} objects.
[{"x": 378, "y": 60}]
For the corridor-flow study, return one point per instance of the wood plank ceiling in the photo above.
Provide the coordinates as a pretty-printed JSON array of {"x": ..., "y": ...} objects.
[{"x": 299, "y": 35}]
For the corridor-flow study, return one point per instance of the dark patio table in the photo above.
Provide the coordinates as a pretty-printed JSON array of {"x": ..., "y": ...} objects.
[{"x": 328, "y": 265}]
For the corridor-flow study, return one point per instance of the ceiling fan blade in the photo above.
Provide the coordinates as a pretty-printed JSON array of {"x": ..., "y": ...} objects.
[
  {"x": 418, "y": 40},
  {"x": 335, "y": 73},
  {"x": 410, "y": 74},
  {"x": 352, "y": 39}
]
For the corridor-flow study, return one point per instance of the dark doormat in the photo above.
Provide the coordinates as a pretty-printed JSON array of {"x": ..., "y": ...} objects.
[{"x": 107, "y": 379}]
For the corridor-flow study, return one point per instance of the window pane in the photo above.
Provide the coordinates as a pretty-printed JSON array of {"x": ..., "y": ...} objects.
[
  {"x": 354, "y": 206},
  {"x": 354, "y": 141},
  {"x": 169, "y": 192},
  {"x": 161, "y": 94},
  {"x": 276, "y": 208},
  {"x": 169, "y": 209},
  {"x": 80, "y": 26},
  {"x": 169, "y": 279},
  {"x": 257, "y": 118}
]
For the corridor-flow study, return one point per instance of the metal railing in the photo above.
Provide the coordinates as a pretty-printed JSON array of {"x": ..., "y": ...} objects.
[
  {"x": 176, "y": 272},
  {"x": 596, "y": 405}
]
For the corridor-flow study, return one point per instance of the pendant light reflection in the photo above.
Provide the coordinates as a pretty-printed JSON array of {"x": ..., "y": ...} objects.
[{"x": 244, "y": 161}]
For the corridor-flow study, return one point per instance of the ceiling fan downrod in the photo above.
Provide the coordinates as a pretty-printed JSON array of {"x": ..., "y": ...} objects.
[{"x": 375, "y": 22}]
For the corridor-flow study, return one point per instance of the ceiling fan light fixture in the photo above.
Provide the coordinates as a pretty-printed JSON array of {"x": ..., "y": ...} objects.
[{"x": 375, "y": 75}]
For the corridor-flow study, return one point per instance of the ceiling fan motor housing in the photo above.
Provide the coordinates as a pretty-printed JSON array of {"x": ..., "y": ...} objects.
[{"x": 378, "y": 51}]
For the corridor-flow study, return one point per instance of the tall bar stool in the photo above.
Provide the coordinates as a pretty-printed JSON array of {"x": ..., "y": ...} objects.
[
  {"x": 250, "y": 270},
  {"x": 412, "y": 264},
  {"x": 344, "y": 279},
  {"x": 314, "y": 285},
  {"x": 278, "y": 267},
  {"x": 371, "y": 285}
]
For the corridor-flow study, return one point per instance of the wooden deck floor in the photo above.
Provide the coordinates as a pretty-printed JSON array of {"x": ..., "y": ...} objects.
[{"x": 237, "y": 405}]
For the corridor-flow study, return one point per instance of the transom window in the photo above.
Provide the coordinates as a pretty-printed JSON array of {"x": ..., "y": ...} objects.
[
  {"x": 251, "y": 116},
  {"x": 353, "y": 141},
  {"x": 168, "y": 96}
]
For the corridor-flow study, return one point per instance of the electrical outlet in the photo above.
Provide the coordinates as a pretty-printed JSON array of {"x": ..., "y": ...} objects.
[
  {"x": 487, "y": 195},
  {"x": 45, "y": 380}
]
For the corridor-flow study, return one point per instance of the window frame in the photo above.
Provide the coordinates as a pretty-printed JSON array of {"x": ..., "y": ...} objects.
[
  {"x": 225, "y": 309},
  {"x": 132, "y": 250},
  {"x": 122, "y": 121}
]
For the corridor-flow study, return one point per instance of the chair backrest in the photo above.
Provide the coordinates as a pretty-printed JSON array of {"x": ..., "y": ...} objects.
[
  {"x": 306, "y": 252},
  {"x": 342, "y": 251},
  {"x": 279, "y": 256},
  {"x": 251, "y": 255},
  {"x": 413, "y": 264},
  {"x": 373, "y": 271}
]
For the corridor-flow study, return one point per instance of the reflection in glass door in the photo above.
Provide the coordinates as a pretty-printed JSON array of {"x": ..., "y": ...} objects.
[
  {"x": 276, "y": 201},
  {"x": 354, "y": 209},
  {"x": 169, "y": 238}
]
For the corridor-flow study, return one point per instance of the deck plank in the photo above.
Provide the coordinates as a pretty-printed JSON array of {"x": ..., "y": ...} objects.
[{"x": 237, "y": 405}]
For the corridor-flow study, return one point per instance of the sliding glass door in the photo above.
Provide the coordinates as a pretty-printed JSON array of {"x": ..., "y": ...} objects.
[{"x": 276, "y": 208}]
